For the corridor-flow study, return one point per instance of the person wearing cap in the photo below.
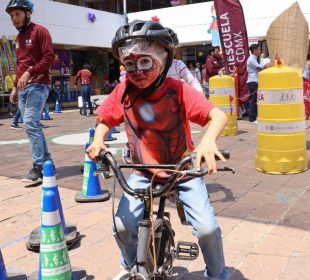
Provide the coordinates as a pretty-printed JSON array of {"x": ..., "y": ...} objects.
[
  {"x": 34, "y": 53},
  {"x": 157, "y": 112},
  {"x": 85, "y": 76}
]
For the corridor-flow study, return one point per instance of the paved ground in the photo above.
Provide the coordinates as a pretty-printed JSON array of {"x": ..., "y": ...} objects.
[{"x": 265, "y": 219}]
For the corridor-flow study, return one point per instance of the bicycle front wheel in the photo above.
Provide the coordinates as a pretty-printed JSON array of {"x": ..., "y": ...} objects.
[{"x": 133, "y": 276}]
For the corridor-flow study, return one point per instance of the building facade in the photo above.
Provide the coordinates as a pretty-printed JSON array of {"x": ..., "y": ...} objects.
[{"x": 83, "y": 25}]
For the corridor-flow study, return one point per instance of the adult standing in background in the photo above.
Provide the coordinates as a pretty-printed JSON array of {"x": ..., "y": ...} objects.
[
  {"x": 8, "y": 86},
  {"x": 306, "y": 78},
  {"x": 66, "y": 78},
  {"x": 34, "y": 53},
  {"x": 85, "y": 76},
  {"x": 254, "y": 65},
  {"x": 198, "y": 73},
  {"x": 213, "y": 65}
]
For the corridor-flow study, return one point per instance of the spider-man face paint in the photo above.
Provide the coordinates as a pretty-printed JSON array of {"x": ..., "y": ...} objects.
[{"x": 142, "y": 70}]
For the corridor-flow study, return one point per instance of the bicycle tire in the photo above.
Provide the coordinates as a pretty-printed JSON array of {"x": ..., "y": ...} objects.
[
  {"x": 82, "y": 111},
  {"x": 130, "y": 276},
  {"x": 165, "y": 245}
]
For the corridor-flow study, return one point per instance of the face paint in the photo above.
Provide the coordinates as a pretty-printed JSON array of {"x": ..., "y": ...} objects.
[
  {"x": 143, "y": 63},
  {"x": 141, "y": 78}
]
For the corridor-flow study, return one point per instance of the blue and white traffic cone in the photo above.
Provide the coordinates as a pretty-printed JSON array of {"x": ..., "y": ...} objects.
[
  {"x": 3, "y": 274},
  {"x": 45, "y": 114},
  {"x": 91, "y": 135},
  {"x": 91, "y": 190},
  {"x": 54, "y": 261},
  {"x": 109, "y": 137},
  {"x": 114, "y": 130},
  {"x": 57, "y": 107},
  {"x": 9, "y": 276},
  {"x": 50, "y": 184}
]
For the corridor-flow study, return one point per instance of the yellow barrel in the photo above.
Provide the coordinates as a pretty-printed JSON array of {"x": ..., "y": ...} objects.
[
  {"x": 281, "y": 135},
  {"x": 222, "y": 95}
]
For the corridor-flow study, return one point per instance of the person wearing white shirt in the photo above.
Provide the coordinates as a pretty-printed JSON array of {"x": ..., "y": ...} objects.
[
  {"x": 179, "y": 71},
  {"x": 254, "y": 65}
]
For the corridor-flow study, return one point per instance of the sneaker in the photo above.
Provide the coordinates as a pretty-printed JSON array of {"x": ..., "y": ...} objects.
[
  {"x": 15, "y": 126},
  {"x": 35, "y": 175},
  {"x": 126, "y": 154},
  {"x": 123, "y": 272},
  {"x": 91, "y": 113},
  {"x": 253, "y": 121}
]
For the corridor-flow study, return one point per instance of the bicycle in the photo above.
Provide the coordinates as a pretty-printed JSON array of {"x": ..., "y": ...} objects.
[
  {"x": 95, "y": 105},
  {"x": 156, "y": 262}
]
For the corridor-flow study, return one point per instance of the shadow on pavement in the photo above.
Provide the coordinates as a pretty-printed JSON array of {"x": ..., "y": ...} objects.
[
  {"x": 241, "y": 132},
  {"x": 181, "y": 273},
  {"x": 77, "y": 244},
  {"x": 68, "y": 171},
  {"x": 214, "y": 188}
]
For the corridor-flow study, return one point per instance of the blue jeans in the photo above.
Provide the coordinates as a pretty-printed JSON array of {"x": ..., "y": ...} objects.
[
  {"x": 199, "y": 214},
  {"x": 86, "y": 92},
  {"x": 67, "y": 90},
  {"x": 31, "y": 102},
  {"x": 17, "y": 116},
  {"x": 253, "y": 103}
]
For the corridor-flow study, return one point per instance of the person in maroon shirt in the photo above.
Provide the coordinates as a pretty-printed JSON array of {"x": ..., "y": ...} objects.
[
  {"x": 157, "y": 112},
  {"x": 214, "y": 64},
  {"x": 35, "y": 55},
  {"x": 85, "y": 76}
]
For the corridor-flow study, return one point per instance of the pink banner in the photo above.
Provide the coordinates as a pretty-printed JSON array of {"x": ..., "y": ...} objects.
[{"x": 234, "y": 40}]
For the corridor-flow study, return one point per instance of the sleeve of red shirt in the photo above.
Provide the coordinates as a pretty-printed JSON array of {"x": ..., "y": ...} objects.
[
  {"x": 196, "y": 105},
  {"x": 111, "y": 111},
  {"x": 46, "y": 47}
]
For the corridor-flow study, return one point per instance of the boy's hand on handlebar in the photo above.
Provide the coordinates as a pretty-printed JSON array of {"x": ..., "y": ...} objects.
[
  {"x": 94, "y": 150},
  {"x": 208, "y": 152}
]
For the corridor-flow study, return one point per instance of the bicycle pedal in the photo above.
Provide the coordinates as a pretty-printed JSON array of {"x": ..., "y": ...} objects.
[{"x": 187, "y": 251}]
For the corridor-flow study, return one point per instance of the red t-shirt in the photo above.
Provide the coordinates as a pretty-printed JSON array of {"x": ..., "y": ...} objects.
[
  {"x": 157, "y": 126},
  {"x": 85, "y": 76},
  {"x": 34, "y": 49}
]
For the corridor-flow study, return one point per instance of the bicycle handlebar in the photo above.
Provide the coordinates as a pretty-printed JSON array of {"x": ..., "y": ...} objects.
[{"x": 189, "y": 161}]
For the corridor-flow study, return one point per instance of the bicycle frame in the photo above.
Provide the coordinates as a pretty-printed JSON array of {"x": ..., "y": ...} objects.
[
  {"x": 145, "y": 263},
  {"x": 145, "y": 259}
]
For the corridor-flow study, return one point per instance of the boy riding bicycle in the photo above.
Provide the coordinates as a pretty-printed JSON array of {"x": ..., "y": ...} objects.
[{"x": 156, "y": 111}]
